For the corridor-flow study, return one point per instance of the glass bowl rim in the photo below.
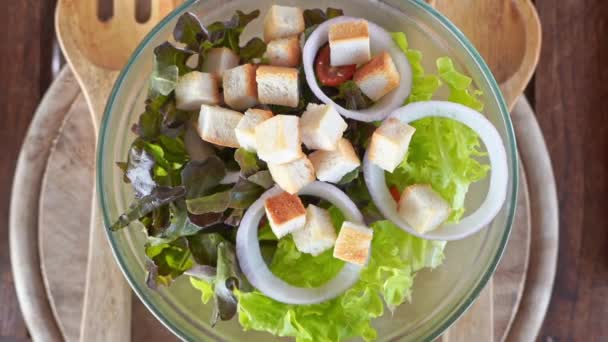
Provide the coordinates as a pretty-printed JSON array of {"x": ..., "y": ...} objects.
[{"x": 458, "y": 35}]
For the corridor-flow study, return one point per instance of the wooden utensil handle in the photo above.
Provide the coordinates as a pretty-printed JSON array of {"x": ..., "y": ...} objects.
[{"x": 107, "y": 297}]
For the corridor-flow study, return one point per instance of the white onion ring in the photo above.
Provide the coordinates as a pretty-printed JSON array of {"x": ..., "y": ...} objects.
[
  {"x": 376, "y": 183},
  {"x": 380, "y": 40},
  {"x": 255, "y": 269}
]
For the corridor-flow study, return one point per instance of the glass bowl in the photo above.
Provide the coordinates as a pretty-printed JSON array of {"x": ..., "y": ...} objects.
[{"x": 439, "y": 296}]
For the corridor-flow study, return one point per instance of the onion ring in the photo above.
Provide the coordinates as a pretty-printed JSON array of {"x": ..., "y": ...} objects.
[
  {"x": 259, "y": 275},
  {"x": 380, "y": 40},
  {"x": 376, "y": 183}
]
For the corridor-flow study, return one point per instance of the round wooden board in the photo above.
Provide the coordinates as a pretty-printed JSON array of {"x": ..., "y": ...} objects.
[{"x": 69, "y": 156}]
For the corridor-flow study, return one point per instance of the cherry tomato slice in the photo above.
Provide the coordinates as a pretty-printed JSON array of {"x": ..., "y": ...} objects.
[
  {"x": 395, "y": 193},
  {"x": 332, "y": 76}
]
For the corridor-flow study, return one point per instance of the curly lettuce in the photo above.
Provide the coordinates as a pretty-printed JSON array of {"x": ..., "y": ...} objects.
[
  {"x": 443, "y": 153},
  {"x": 385, "y": 282}
]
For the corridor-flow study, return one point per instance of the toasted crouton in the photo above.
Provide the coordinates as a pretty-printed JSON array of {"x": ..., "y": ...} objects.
[
  {"x": 218, "y": 60},
  {"x": 389, "y": 144},
  {"x": 349, "y": 43},
  {"x": 321, "y": 127},
  {"x": 194, "y": 89},
  {"x": 282, "y": 22},
  {"x": 378, "y": 77},
  {"x": 423, "y": 208},
  {"x": 245, "y": 130},
  {"x": 284, "y": 52},
  {"x": 240, "y": 89},
  {"x": 318, "y": 234},
  {"x": 216, "y": 125},
  {"x": 294, "y": 175},
  {"x": 353, "y": 243},
  {"x": 278, "y": 85},
  {"x": 286, "y": 213},
  {"x": 332, "y": 166},
  {"x": 278, "y": 139}
]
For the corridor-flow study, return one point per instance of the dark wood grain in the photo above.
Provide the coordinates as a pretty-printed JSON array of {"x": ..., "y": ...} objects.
[
  {"x": 569, "y": 93},
  {"x": 26, "y": 33},
  {"x": 571, "y": 89}
]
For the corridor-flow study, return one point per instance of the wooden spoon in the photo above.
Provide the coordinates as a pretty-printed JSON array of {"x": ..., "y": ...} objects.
[
  {"x": 507, "y": 33},
  {"x": 96, "y": 50}
]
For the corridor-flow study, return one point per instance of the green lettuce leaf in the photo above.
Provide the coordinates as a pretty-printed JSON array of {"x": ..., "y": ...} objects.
[
  {"x": 159, "y": 197},
  {"x": 442, "y": 153},
  {"x": 423, "y": 86},
  {"x": 189, "y": 30},
  {"x": 351, "y": 97},
  {"x": 386, "y": 280},
  {"x": 460, "y": 85},
  {"x": 167, "y": 261}
]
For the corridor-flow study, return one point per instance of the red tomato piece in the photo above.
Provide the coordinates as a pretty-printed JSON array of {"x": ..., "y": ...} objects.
[{"x": 332, "y": 76}]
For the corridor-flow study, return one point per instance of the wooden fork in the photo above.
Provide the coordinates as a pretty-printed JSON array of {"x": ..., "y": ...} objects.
[{"x": 96, "y": 50}]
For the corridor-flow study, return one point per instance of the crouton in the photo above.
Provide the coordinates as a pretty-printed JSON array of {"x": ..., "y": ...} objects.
[
  {"x": 278, "y": 139},
  {"x": 318, "y": 234},
  {"x": 332, "y": 166},
  {"x": 284, "y": 52},
  {"x": 349, "y": 43},
  {"x": 194, "y": 89},
  {"x": 423, "y": 208},
  {"x": 321, "y": 127},
  {"x": 353, "y": 243},
  {"x": 378, "y": 77},
  {"x": 286, "y": 213},
  {"x": 240, "y": 89},
  {"x": 278, "y": 85},
  {"x": 245, "y": 130},
  {"x": 282, "y": 22},
  {"x": 218, "y": 60},
  {"x": 389, "y": 144},
  {"x": 216, "y": 125},
  {"x": 294, "y": 175}
]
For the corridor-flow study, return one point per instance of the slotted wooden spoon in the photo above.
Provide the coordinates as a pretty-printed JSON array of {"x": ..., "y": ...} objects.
[{"x": 96, "y": 50}]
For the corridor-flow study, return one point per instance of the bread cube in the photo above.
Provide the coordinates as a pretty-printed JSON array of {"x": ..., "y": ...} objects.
[
  {"x": 219, "y": 60},
  {"x": 286, "y": 213},
  {"x": 284, "y": 52},
  {"x": 278, "y": 139},
  {"x": 245, "y": 130},
  {"x": 423, "y": 208},
  {"x": 349, "y": 43},
  {"x": 294, "y": 175},
  {"x": 278, "y": 85},
  {"x": 197, "y": 148},
  {"x": 240, "y": 89},
  {"x": 378, "y": 77},
  {"x": 332, "y": 166},
  {"x": 353, "y": 243},
  {"x": 321, "y": 127},
  {"x": 318, "y": 234},
  {"x": 389, "y": 144},
  {"x": 282, "y": 22},
  {"x": 194, "y": 89},
  {"x": 216, "y": 125}
]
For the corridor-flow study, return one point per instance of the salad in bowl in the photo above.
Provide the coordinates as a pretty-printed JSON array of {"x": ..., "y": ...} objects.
[{"x": 302, "y": 178}]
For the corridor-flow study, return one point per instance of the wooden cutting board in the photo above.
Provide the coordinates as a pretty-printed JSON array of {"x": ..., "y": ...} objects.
[{"x": 65, "y": 192}]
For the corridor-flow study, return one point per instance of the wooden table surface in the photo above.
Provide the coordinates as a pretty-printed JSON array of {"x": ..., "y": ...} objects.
[{"x": 569, "y": 93}]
